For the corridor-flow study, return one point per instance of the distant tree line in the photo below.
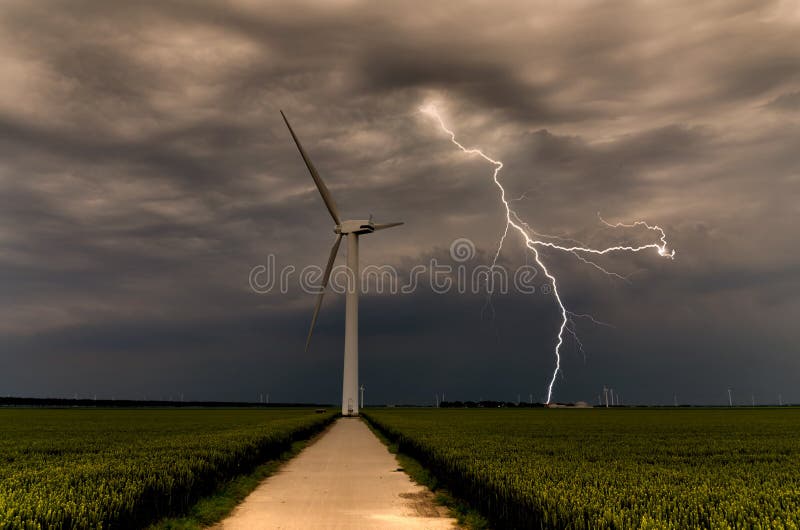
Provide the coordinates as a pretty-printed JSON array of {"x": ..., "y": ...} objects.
[
  {"x": 133, "y": 403},
  {"x": 489, "y": 404}
]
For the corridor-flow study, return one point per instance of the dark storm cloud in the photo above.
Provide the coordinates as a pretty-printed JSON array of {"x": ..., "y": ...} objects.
[
  {"x": 484, "y": 82},
  {"x": 144, "y": 170}
]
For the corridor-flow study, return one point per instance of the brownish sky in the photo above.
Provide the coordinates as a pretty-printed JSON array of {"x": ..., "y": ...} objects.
[{"x": 144, "y": 170}]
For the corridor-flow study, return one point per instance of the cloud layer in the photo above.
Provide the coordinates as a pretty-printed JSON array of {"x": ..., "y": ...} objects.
[{"x": 144, "y": 170}]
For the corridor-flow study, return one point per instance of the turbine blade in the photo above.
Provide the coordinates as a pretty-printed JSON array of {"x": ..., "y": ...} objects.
[
  {"x": 325, "y": 277},
  {"x": 323, "y": 189},
  {"x": 381, "y": 226}
]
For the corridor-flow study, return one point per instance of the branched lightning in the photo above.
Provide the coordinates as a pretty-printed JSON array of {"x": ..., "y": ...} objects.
[
  {"x": 523, "y": 196},
  {"x": 573, "y": 252},
  {"x": 590, "y": 318},
  {"x": 534, "y": 241}
]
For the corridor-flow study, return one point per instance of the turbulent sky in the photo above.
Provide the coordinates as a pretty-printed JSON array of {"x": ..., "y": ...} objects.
[{"x": 145, "y": 170}]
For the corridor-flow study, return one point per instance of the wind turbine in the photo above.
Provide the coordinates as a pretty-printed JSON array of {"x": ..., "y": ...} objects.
[{"x": 352, "y": 229}]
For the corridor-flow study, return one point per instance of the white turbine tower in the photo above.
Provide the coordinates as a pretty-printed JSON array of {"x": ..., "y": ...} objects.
[{"x": 352, "y": 229}]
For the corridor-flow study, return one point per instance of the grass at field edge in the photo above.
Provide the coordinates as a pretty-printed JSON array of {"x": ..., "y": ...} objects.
[
  {"x": 213, "y": 508},
  {"x": 467, "y": 516}
]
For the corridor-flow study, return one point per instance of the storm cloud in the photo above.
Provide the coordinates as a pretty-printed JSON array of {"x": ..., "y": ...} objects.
[{"x": 145, "y": 170}]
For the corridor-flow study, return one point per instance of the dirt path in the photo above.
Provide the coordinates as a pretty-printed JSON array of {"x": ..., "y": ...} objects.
[{"x": 347, "y": 479}]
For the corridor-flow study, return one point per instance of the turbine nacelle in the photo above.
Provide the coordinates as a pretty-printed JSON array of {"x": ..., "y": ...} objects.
[{"x": 355, "y": 226}]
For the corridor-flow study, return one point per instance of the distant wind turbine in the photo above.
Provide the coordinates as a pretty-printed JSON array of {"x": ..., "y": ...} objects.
[{"x": 352, "y": 229}]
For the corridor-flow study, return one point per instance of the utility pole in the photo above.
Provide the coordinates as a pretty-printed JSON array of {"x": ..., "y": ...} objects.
[{"x": 730, "y": 398}]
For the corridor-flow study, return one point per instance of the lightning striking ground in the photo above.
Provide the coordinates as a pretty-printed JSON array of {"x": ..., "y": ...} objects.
[{"x": 543, "y": 240}]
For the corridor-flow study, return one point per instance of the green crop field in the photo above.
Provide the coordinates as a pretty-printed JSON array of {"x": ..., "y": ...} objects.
[
  {"x": 123, "y": 468},
  {"x": 601, "y": 468}
]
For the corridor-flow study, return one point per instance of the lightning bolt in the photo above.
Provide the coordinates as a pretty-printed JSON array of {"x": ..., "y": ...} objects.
[{"x": 534, "y": 241}]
